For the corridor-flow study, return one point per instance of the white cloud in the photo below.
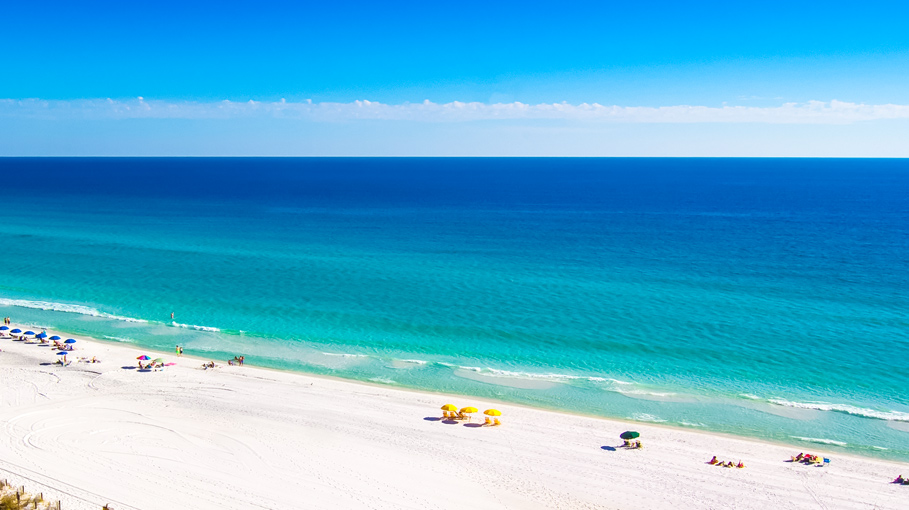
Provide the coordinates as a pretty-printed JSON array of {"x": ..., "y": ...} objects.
[{"x": 812, "y": 112}]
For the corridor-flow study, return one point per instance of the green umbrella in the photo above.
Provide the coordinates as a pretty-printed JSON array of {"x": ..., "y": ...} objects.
[
  {"x": 161, "y": 360},
  {"x": 629, "y": 434}
]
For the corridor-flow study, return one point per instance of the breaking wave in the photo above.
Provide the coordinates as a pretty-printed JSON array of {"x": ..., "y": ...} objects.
[
  {"x": 66, "y": 308},
  {"x": 844, "y": 408},
  {"x": 820, "y": 440},
  {"x": 197, "y": 328}
]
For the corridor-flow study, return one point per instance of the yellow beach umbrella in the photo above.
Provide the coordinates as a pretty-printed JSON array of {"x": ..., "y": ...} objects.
[
  {"x": 492, "y": 412},
  {"x": 468, "y": 410},
  {"x": 449, "y": 407}
]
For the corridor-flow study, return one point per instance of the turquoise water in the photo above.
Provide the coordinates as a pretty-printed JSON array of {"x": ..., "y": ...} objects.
[{"x": 766, "y": 298}]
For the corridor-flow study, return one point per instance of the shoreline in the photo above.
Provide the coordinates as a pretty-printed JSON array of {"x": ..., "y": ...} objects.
[
  {"x": 235, "y": 437},
  {"x": 815, "y": 447}
]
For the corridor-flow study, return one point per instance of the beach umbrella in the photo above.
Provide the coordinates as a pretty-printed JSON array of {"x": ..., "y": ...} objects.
[
  {"x": 16, "y": 331},
  {"x": 42, "y": 335},
  {"x": 449, "y": 407},
  {"x": 4, "y": 328},
  {"x": 629, "y": 434},
  {"x": 158, "y": 360},
  {"x": 143, "y": 358},
  {"x": 29, "y": 333},
  {"x": 69, "y": 341},
  {"x": 55, "y": 337},
  {"x": 492, "y": 412},
  {"x": 63, "y": 353},
  {"x": 468, "y": 410}
]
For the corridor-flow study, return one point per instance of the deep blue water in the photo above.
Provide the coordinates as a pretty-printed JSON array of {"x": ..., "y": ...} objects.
[{"x": 761, "y": 297}]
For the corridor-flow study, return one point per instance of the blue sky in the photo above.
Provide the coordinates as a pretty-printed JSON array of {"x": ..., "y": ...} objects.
[{"x": 187, "y": 58}]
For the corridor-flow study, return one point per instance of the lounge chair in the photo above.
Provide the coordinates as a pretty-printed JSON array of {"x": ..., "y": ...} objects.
[
  {"x": 488, "y": 421},
  {"x": 497, "y": 422}
]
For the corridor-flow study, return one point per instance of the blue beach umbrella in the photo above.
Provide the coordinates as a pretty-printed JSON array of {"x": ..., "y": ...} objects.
[
  {"x": 29, "y": 333},
  {"x": 16, "y": 331},
  {"x": 55, "y": 337},
  {"x": 4, "y": 328},
  {"x": 69, "y": 341},
  {"x": 63, "y": 353},
  {"x": 42, "y": 335}
]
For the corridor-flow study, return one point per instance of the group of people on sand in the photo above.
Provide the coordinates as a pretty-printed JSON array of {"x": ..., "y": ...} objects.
[
  {"x": 7, "y": 321},
  {"x": 151, "y": 365},
  {"x": 807, "y": 458},
  {"x": 210, "y": 364},
  {"x": 715, "y": 462},
  {"x": 901, "y": 481},
  {"x": 632, "y": 444},
  {"x": 238, "y": 360}
]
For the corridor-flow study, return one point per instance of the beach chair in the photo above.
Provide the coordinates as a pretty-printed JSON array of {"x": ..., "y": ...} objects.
[
  {"x": 488, "y": 421},
  {"x": 826, "y": 461},
  {"x": 497, "y": 422}
]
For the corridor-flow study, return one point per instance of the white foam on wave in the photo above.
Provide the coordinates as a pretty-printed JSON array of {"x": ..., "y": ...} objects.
[
  {"x": 345, "y": 355},
  {"x": 415, "y": 361},
  {"x": 844, "y": 408},
  {"x": 119, "y": 339},
  {"x": 648, "y": 393},
  {"x": 647, "y": 417},
  {"x": 495, "y": 372},
  {"x": 66, "y": 308},
  {"x": 820, "y": 440},
  {"x": 197, "y": 328},
  {"x": 382, "y": 380},
  {"x": 749, "y": 396}
]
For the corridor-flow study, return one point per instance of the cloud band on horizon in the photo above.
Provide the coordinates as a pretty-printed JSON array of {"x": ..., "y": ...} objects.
[{"x": 811, "y": 112}]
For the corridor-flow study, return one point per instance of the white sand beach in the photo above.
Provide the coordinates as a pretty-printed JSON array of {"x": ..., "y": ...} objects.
[{"x": 244, "y": 437}]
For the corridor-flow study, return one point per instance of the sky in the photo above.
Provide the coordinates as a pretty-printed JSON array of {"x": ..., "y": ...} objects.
[{"x": 347, "y": 78}]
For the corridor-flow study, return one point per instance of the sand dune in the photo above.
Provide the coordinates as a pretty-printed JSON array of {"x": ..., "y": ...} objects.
[{"x": 244, "y": 437}]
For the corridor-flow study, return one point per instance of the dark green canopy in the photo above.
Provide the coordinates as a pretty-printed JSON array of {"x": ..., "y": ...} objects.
[{"x": 630, "y": 434}]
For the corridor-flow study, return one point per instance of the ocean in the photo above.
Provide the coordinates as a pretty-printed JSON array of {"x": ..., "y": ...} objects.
[{"x": 766, "y": 298}]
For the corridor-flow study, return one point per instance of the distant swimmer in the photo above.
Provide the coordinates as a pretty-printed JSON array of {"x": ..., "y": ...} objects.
[{"x": 171, "y": 315}]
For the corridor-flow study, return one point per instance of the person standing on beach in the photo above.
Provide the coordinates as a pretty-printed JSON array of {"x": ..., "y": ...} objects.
[{"x": 179, "y": 351}]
